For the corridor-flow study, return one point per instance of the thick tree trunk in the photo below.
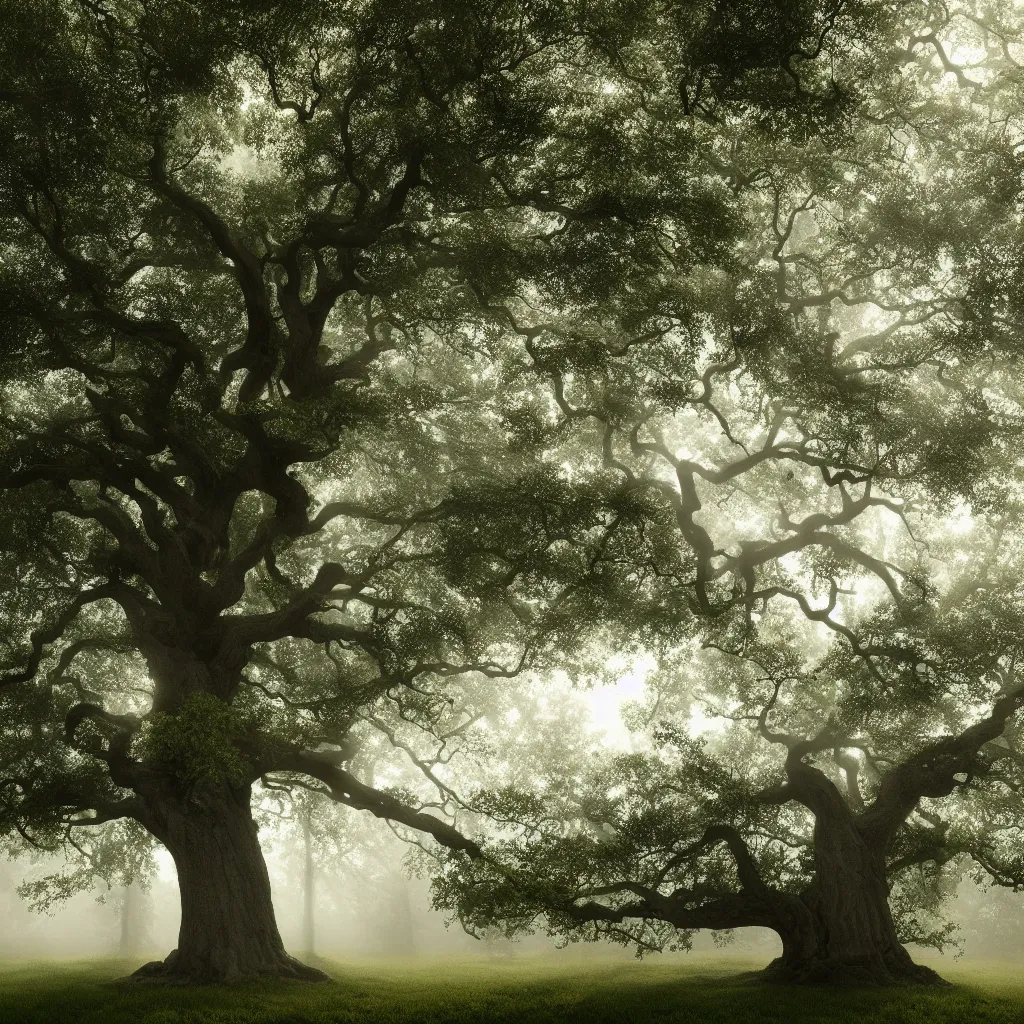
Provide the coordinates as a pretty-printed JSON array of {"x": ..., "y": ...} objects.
[
  {"x": 847, "y": 935},
  {"x": 228, "y": 930}
]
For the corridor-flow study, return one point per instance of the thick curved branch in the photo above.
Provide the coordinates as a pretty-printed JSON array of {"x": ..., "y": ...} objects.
[
  {"x": 257, "y": 352},
  {"x": 86, "y": 711},
  {"x": 42, "y": 637},
  {"x": 746, "y": 868},
  {"x": 932, "y": 771},
  {"x": 104, "y": 812},
  {"x": 738, "y": 911},
  {"x": 345, "y": 788}
]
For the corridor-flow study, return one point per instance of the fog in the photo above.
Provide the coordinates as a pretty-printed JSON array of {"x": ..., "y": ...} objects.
[
  {"x": 370, "y": 902},
  {"x": 384, "y": 913}
]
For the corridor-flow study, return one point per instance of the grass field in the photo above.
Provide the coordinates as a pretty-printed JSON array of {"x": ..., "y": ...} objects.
[{"x": 517, "y": 991}]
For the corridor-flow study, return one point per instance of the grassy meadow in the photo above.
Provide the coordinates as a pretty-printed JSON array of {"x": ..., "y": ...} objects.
[{"x": 695, "y": 990}]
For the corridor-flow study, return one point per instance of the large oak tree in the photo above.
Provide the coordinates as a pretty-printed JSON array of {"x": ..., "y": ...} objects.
[{"x": 891, "y": 372}]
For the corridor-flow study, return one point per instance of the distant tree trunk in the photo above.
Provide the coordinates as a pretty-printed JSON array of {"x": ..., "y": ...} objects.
[
  {"x": 132, "y": 924},
  {"x": 847, "y": 935},
  {"x": 124, "y": 946},
  {"x": 308, "y": 889},
  {"x": 228, "y": 930},
  {"x": 399, "y": 938},
  {"x": 404, "y": 918}
]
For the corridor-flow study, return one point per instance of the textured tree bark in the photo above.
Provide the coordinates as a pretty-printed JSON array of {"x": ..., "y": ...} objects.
[
  {"x": 847, "y": 936},
  {"x": 228, "y": 929}
]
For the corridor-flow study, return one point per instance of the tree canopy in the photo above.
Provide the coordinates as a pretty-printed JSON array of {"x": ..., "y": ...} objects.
[{"x": 359, "y": 357}]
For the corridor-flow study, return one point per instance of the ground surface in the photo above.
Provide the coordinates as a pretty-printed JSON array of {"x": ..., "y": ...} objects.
[{"x": 514, "y": 991}]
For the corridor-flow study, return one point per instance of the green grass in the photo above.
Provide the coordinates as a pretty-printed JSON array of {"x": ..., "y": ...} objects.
[{"x": 695, "y": 990}]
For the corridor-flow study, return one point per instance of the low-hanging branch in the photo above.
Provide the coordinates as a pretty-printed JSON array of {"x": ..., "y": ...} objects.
[{"x": 345, "y": 788}]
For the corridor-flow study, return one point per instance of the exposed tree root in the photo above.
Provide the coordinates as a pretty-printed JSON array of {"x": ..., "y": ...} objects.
[
  {"x": 177, "y": 970},
  {"x": 865, "y": 973}
]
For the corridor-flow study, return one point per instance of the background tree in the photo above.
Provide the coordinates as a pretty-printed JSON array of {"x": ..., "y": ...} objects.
[
  {"x": 882, "y": 355},
  {"x": 894, "y": 766}
]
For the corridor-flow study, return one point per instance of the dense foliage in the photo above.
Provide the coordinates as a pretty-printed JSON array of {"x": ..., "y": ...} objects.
[{"x": 359, "y": 357}]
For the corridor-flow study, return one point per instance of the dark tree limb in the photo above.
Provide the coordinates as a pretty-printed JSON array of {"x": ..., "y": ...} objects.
[{"x": 347, "y": 789}]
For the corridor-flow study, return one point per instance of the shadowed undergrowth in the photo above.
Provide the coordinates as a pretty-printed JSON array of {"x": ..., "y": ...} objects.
[{"x": 696, "y": 990}]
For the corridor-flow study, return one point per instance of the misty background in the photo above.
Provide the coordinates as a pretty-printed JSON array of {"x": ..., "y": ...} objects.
[
  {"x": 375, "y": 909},
  {"x": 371, "y": 899}
]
